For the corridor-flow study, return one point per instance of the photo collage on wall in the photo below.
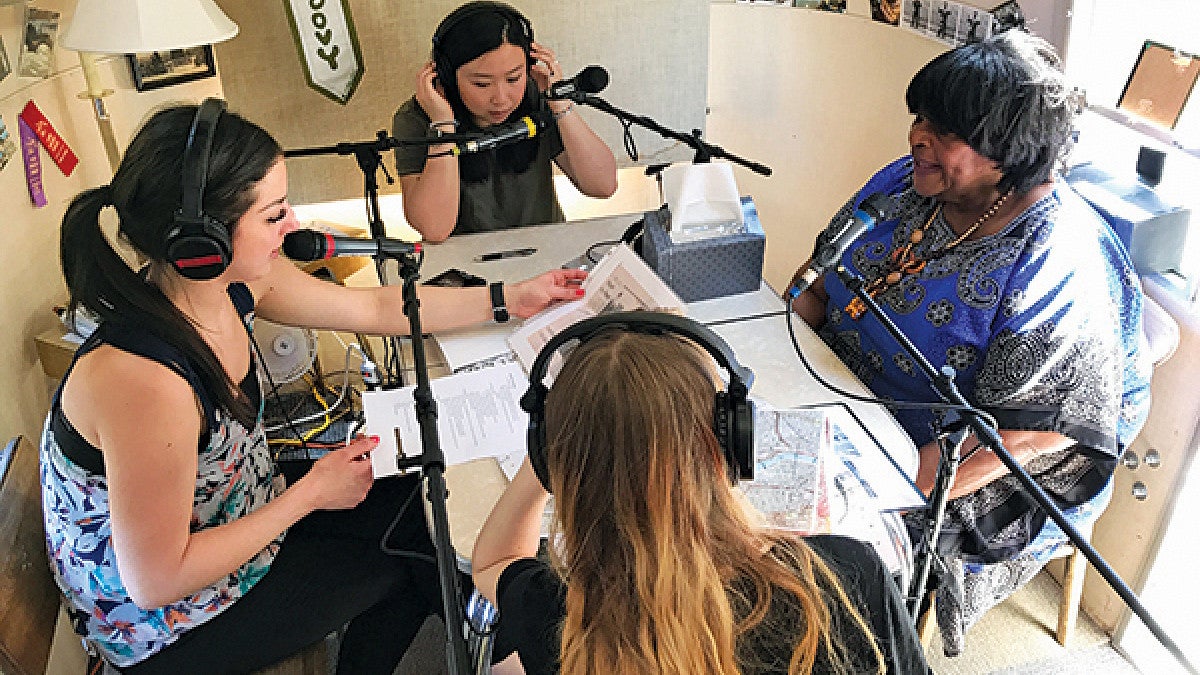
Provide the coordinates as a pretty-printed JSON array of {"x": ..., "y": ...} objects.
[
  {"x": 5, "y": 65},
  {"x": 39, "y": 43},
  {"x": 953, "y": 23},
  {"x": 8, "y": 147}
]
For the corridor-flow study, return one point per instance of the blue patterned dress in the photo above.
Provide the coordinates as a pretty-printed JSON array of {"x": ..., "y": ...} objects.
[
  {"x": 233, "y": 478},
  {"x": 1041, "y": 322}
]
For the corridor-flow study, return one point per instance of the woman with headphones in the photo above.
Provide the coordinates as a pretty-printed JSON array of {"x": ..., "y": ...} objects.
[
  {"x": 169, "y": 531},
  {"x": 487, "y": 70},
  {"x": 655, "y": 566}
]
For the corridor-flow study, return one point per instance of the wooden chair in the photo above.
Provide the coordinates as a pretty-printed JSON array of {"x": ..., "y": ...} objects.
[
  {"x": 29, "y": 597},
  {"x": 1068, "y": 609}
]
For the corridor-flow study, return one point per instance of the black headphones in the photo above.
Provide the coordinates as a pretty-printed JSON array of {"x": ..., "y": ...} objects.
[
  {"x": 733, "y": 414},
  {"x": 197, "y": 245},
  {"x": 441, "y": 63}
]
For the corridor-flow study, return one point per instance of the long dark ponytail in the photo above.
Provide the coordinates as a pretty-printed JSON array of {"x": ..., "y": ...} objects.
[{"x": 145, "y": 192}]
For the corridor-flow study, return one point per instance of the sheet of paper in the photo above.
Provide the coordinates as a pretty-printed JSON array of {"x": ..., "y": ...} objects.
[
  {"x": 479, "y": 415},
  {"x": 471, "y": 345},
  {"x": 620, "y": 282},
  {"x": 866, "y": 458}
]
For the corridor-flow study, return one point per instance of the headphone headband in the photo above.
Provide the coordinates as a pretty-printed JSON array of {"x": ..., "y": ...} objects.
[
  {"x": 647, "y": 322},
  {"x": 733, "y": 422},
  {"x": 195, "y": 157}
]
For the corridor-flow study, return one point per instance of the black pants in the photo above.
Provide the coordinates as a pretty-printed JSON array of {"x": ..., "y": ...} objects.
[{"x": 329, "y": 571}]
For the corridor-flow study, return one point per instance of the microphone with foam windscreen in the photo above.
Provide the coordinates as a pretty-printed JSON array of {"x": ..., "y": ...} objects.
[
  {"x": 310, "y": 245},
  {"x": 834, "y": 241},
  {"x": 590, "y": 80},
  {"x": 503, "y": 134}
]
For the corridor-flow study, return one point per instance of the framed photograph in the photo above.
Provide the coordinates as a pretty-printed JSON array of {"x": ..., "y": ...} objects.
[
  {"x": 152, "y": 70},
  {"x": 1160, "y": 84}
]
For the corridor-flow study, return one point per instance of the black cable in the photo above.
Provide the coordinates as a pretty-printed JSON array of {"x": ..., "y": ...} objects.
[
  {"x": 278, "y": 400},
  {"x": 889, "y": 403},
  {"x": 593, "y": 247},
  {"x": 402, "y": 553},
  {"x": 627, "y": 139}
]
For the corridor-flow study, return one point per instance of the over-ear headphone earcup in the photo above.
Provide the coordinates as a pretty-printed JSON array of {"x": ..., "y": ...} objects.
[
  {"x": 533, "y": 402},
  {"x": 199, "y": 250},
  {"x": 742, "y": 452}
]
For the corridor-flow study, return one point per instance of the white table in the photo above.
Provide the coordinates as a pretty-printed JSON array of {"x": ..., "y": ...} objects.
[
  {"x": 754, "y": 325},
  {"x": 559, "y": 243}
]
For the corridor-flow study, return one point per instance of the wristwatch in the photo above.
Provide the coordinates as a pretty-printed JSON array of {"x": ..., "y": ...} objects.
[{"x": 499, "y": 310}]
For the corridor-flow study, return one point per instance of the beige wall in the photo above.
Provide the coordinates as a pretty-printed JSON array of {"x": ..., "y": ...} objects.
[
  {"x": 30, "y": 276},
  {"x": 819, "y": 98},
  {"x": 656, "y": 54}
]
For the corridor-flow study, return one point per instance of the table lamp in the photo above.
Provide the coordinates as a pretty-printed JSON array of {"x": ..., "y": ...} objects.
[{"x": 132, "y": 26}]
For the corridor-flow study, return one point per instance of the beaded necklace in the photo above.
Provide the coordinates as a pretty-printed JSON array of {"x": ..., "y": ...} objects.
[{"x": 903, "y": 261}]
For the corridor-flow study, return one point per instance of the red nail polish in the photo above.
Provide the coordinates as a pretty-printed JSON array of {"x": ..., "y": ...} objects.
[
  {"x": 375, "y": 438},
  {"x": 578, "y": 291}
]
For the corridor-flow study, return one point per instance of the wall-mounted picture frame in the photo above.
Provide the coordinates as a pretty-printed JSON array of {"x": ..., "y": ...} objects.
[{"x": 152, "y": 70}]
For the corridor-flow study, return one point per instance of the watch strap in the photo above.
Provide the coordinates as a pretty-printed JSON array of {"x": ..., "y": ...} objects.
[{"x": 499, "y": 309}]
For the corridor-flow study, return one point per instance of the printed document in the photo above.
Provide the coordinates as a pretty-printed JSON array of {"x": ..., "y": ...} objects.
[
  {"x": 478, "y": 415},
  {"x": 621, "y": 281}
]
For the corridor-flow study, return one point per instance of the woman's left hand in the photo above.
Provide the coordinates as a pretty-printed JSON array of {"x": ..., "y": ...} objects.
[
  {"x": 545, "y": 70},
  {"x": 526, "y": 298}
]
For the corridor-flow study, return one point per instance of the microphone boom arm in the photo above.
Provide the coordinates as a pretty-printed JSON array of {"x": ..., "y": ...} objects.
[
  {"x": 704, "y": 151},
  {"x": 943, "y": 384}
]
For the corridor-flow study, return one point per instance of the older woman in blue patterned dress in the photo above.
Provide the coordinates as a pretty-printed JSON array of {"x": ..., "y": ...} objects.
[{"x": 993, "y": 266}]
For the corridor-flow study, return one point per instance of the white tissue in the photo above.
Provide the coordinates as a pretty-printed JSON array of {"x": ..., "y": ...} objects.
[{"x": 703, "y": 199}]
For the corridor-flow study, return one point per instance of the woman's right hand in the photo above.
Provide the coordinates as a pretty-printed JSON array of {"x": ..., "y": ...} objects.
[
  {"x": 341, "y": 479},
  {"x": 431, "y": 95}
]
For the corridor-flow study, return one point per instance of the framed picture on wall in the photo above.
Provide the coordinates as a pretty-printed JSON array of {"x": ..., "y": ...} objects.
[{"x": 152, "y": 70}]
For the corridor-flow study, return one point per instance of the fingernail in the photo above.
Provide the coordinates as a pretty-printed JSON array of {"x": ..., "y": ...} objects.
[
  {"x": 578, "y": 291},
  {"x": 374, "y": 438}
]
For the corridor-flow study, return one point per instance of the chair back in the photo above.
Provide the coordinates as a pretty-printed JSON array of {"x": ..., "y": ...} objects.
[{"x": 29, "y": 598}]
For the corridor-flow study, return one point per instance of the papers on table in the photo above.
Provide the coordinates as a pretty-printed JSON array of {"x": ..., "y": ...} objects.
[
  {"x": 620, "y": 282},
  {"x": 802, "y": 453},
  {"x": 817, "y": 470},
  {"x": 478, "y": 415},
  {"x": 467, "y": 346}
]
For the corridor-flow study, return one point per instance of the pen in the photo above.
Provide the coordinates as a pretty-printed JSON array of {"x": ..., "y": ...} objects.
[{"x": 500, "y": 255}]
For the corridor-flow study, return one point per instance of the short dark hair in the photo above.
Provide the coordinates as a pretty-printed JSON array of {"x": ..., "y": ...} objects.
[{"x": 1006, "y": 96}]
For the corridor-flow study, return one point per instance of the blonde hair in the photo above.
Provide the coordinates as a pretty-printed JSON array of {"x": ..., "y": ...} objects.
[{"x": 663, "y": 569}]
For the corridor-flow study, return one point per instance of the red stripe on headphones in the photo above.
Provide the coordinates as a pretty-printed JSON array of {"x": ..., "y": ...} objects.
[
  {"x": 200, "y": 261},
  {"x": 330, "y": 246}
]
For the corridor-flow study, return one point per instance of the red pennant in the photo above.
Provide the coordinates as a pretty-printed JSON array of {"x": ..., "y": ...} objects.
[{"x": 54, "y": 144}]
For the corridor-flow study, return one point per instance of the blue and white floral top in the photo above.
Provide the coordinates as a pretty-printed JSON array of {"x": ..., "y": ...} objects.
[
  {"x": 1041, "y": 322},
  {"x": 233, "y": 478}
]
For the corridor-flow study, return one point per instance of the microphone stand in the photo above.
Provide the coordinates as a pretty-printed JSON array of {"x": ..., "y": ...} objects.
[
  {"x": 433, "y": 465},
  {"x": 943, "y": 384},
  {"x": 704, "y": 151},
  {"x": 432, "y": 460},
  {"x": 369, "y": 157}
]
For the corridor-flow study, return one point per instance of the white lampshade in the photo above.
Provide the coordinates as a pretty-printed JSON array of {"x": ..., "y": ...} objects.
[{"x": 130, "y": 26}]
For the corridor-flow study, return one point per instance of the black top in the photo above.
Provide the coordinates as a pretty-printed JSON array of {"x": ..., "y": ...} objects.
[
  {"x": 531, "y": 599},
  {"x": 136, "y": 340}
]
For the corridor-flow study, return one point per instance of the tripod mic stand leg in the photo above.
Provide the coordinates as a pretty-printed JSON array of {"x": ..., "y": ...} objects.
[{"x": 950, "y": 445}]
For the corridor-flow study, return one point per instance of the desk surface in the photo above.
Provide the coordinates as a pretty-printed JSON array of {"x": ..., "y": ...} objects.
[{"x": 558, "y": 243}]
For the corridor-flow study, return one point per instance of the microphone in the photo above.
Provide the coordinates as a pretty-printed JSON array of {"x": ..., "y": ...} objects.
[
  {"x": 494, "y": 137},
  {"x": 834, "y": 241},
  {"x": 590, "y": 80},
  {"x": 310, "y": 245}
]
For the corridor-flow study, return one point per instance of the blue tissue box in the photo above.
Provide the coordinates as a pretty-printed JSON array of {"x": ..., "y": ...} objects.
[
  {"x": 1152, "y": 229},
  {"x": 706, "y": 268}
]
